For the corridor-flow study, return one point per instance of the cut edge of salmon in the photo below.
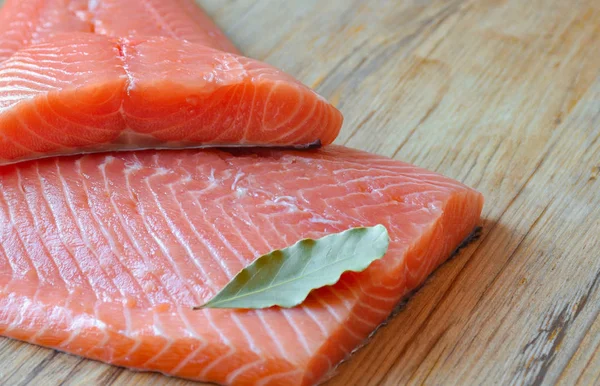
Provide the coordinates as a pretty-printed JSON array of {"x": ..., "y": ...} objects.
[
  {"x": 460, "y": 218},
  {"x": 221, "y": 100}
]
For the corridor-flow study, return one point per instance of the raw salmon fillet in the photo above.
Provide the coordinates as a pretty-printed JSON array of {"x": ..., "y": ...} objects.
[
  {"x": 167, "y": 86},
  {"x": 86, "y": 93},
  {"x": 104, "y": 255},
  {"x": 29, "y": 22}
]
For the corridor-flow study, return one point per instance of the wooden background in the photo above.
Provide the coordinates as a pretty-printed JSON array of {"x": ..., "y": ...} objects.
[{"x": 501, "y": 94}]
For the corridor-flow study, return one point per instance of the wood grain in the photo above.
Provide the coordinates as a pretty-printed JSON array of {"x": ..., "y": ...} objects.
[{"x": 501, "y": 94}]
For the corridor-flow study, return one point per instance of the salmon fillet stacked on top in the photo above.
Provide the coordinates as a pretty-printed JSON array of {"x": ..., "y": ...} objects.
[
  {"x": 104, "y": 255},
  {"x": 136, "y": 84}
]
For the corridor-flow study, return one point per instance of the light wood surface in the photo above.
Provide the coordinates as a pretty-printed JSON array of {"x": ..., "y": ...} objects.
[{"x": 503, "y": 95}]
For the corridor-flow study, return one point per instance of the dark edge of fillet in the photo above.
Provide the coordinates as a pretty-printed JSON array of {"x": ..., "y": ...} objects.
[
  {"x": 400, "y": 306},
  {"x": 313, "y": 145}
]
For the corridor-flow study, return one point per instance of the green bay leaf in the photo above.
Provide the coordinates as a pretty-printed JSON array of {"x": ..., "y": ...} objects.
[{"x": 286, "y": 276}]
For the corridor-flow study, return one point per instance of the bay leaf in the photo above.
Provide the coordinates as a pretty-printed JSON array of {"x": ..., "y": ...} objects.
[{"x": 285, "y": 277}]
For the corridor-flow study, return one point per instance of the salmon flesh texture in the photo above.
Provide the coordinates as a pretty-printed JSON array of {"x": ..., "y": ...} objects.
[
  {"x": 104, "y": 256},
  {"x": 29, "y": 22},
  {"x": 91, "y": 76}
]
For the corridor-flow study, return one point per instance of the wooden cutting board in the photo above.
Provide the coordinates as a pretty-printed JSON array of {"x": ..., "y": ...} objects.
[{"x": 501, "y": 94}]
